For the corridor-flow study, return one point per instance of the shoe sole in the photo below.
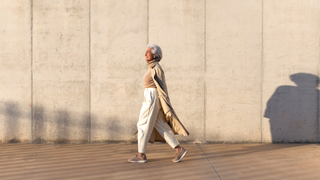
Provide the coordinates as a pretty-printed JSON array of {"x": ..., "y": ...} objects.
[
  {"x": 181, "y": 157},
  {"x": 141, "y": 161}
]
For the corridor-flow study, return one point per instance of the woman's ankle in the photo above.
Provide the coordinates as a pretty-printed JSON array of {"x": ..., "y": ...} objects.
[{"x": 177, "y": 148}]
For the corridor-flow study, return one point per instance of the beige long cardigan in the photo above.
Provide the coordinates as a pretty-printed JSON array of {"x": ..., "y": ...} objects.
[{"x": 166, "y": 113}]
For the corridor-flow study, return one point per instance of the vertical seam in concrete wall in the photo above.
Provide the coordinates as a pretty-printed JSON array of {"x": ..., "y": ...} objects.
[
  {"x": 31, "y": 55},
  {"x": 318, "y": 131},
  {"x": 318, "y": 123},
  {"x": 205, "y": 64},
  {"x": 261, "y": 76},
  {"x": 89, "y": 134},
  {"x": 147, "y": 21}
]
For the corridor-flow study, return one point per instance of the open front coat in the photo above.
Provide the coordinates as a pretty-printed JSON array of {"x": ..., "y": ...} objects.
[{"x": 166, "y": 113}]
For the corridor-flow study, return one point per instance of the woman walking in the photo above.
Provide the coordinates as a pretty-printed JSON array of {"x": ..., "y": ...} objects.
[{"x": 157, "y": 120}]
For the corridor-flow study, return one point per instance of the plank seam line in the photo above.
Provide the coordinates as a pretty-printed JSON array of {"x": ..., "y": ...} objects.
[{"x": 210, "y": 163}]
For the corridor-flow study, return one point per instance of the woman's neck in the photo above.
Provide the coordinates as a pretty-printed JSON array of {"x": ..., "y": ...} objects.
[{"x": 152, "y": 63}]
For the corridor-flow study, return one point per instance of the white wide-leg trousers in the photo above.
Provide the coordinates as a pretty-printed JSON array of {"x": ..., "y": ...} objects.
[{"x": 149, "y": 119}]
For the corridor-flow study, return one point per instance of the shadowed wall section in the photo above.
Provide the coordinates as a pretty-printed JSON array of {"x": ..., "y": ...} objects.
[{"x": 291, "y": 45}]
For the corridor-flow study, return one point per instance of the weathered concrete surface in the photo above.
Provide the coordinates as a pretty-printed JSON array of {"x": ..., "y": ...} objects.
[
  {"x": 178, "y": 27},
  {"x": 61, "y": 70},
  {"x": 233, "y": 70},
  {"x": 118, "y": 44},
  {"x": 208, "y": 161},
  {"x": 291, "y": 58},
  {"x": 15, "y": 71},
  {"x": 236, "y": 70}
]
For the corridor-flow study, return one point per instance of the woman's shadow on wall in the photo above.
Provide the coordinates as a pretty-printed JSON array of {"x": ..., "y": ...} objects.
[{"x": 292, "y": 110}]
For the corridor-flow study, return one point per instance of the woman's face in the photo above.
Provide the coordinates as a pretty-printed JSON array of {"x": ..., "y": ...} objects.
[{"x": 149, "y": 56}]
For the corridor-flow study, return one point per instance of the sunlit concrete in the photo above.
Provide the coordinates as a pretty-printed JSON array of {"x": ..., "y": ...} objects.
[
  {"x": 233, "y": 70},
  {"x": 15, "y": 71},
  {"x": 183, "y": 58},
  {"x": 60, "y": 71},
  {"x": 236, "y": 71},
  {"x": 118, "y": 43}
]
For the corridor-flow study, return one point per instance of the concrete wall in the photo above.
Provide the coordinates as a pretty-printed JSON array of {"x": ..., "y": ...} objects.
[
  {"x": 118, "y": 43},
  {"x": 291, "y": 71},
  {"x": 60, "y": 70},
  {"x": 233, "y": 70},
  {"x": 178, "y": 26},
  {"x": 237, "y": 71},
  {"x": 15, "y": 71}
]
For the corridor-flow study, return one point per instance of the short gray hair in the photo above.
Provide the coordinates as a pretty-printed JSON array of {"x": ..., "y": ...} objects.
[{"x": 155, "y": 49}]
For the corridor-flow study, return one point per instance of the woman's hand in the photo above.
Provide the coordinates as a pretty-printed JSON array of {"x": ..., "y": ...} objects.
[{"x": 169, "y": 116}]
